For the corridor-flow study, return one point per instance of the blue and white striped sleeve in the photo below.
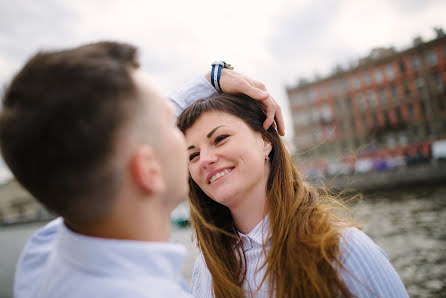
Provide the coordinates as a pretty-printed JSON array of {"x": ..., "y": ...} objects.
[
  {"x": 196, "y": 89},
  {"x": 201, "y": 284},
  {"x": 368, "y": 271}
]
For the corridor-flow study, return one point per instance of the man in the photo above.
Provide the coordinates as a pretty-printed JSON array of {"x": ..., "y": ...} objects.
[{"x": 86, "y": 133}]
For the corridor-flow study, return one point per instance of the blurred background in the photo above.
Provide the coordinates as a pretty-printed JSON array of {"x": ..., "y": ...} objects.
[{"x": 362, "y": 85}]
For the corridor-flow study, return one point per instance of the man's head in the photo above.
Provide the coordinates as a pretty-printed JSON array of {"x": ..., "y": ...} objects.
[{"x": 72, "y": 125}]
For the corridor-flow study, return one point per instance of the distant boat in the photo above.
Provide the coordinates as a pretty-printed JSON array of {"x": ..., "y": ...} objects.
[{"x": 180, "y": 216}]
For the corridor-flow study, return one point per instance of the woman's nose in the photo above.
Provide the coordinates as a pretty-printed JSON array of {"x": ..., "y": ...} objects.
[{"x": 207, "y": 157}]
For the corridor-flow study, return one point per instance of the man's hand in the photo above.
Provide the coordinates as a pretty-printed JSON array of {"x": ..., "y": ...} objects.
[{"x": 236, "y": 83}]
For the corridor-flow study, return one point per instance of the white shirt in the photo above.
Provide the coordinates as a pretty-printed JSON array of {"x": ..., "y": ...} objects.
[
  {"x": 61, "y": 263},
  {"x": 367, "y": 263}
]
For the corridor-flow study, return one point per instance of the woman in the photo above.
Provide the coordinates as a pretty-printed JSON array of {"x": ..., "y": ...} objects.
[{"x": 261, "y": 230}]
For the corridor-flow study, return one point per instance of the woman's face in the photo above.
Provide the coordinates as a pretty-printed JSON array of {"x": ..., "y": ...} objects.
[{"x": 227, "y": 158}]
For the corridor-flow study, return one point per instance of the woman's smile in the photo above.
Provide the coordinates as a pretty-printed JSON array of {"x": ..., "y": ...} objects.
[{"x": 217, "y": 174}]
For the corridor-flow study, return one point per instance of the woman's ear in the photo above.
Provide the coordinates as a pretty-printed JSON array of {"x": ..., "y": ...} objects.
[
  {"x": 267, "y": 146},
  {"x": 146, "y": 171}
]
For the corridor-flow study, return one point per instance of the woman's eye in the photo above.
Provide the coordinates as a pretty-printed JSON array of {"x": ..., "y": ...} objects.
[
  {"x": 220, "y": 138},
  {"x": 193, "y": 155}
]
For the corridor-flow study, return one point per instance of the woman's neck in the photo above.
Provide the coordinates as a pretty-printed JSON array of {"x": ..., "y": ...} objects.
[
  {"x": 251, "y": 207},
  {"x": 247, "y": 215}
]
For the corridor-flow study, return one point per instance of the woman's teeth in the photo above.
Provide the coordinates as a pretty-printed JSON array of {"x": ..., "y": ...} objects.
[{"x": 219, "y": 174}]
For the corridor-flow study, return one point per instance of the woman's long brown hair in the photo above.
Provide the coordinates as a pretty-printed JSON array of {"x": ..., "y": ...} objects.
[{"x": 304, "y": 257}]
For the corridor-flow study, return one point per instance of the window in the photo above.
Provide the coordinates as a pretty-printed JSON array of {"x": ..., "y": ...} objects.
[
  {"x": 306, "y": 96},
  {"x": 333, "y": 88},
  {"x": 297, "y": 98},
  {"x": 402, "y": 66},
  {"x": 372, "y": 98},
  {"x": 315, "y": 114},
  {"x": 336, "y": 87},
  {"x": 356, "y": 82},
  {"x": 386, "y": 118},
  {"x": 398, "y": 116},
  {"x": 415, "y": 62},
  {"x": 390, "y": 72},
  {"x": 297, "y": 119},
  {"x": 410, "y": 111},
  {"x": 402, "y": 138},
  {"x": 323, "y": 91},
  {"x": 349, "y": 103},
  {"x": 353, "y": 123},
  {"x": 406, "y": 88},
  {"x": 432, "y": 58},
  {"x": 382, "y": 95},
  {"x": 361, "y": 101},
  {"x": 390, "y": 140},
  {"x": 423, "y": 108},
  {"x": 326, "y": 113},
  {"x": 378, "y": 76},
  {"x": 441, "y": 103},
  {"x": 301, "y": 118},
  {"x": 367, "y": 78},
  {"x": 394, "y": 93},
  {"x": 345, "y": 84},
  {"x": 338, "y": 107},
  {"x": 312, "y": 95},
  {"x": 419, "y": 83},
  {"x": 303, "y": 98},
  {"x": 438, "y": 83}
]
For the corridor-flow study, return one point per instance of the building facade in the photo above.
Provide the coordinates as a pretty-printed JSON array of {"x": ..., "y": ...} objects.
[{"x": 389, "y": 99}]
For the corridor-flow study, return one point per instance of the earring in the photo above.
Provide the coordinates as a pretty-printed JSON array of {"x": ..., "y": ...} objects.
[{"x": 267, "y": 158}]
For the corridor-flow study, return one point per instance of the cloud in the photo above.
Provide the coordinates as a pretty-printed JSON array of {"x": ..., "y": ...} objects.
[
  {"x": 407, "y": 7},
  {"x": 313, "y": 38},
  {"x": 27, "y": 26},
  {"x": 274, "y": 42},
  {"x": 302, "y": 29}
]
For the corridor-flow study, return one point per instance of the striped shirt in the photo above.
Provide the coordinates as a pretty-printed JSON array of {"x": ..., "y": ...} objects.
[{"x": 369, "y": 272}]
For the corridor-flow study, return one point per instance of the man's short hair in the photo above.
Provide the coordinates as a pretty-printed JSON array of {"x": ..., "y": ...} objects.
[{"x": 59, "y": 122}]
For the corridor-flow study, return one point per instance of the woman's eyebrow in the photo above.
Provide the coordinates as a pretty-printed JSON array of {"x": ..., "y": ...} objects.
[
  {"x": 212, "y": 131},
  {"x": 208, "y": 135}
]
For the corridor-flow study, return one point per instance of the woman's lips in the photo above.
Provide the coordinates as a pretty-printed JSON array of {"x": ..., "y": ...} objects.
[{"x": 217, "y": 174}]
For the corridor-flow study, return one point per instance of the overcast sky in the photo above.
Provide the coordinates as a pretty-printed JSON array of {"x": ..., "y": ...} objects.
[{"x": 275, "y": 42}]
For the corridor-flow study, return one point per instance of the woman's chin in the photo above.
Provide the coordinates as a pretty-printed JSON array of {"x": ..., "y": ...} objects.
[{"x": 224, "y": 200}]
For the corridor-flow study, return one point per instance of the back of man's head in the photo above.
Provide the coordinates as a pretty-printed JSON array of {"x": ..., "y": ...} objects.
[{"x": 58, "y": 126}]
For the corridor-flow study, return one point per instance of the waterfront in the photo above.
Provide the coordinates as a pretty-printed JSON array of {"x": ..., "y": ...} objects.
[{"x": 409, "y": 224}]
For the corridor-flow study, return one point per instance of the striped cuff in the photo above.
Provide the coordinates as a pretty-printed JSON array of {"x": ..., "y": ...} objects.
[{"x": 215, "y": 76}]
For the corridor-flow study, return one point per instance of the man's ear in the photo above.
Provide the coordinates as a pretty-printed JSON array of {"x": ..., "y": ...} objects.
[
  {"x": 146, "y": 170},
  {"x": 267, "y": 146}
]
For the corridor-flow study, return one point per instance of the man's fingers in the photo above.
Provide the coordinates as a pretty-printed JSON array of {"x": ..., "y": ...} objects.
[
  {"x": 253, "y": 92},
  {"x": 270, "y": 108},
  {"x": 273, "y": 112},
  {"x": 258, "y": 84},
  {"x": 279, "y": 121}
]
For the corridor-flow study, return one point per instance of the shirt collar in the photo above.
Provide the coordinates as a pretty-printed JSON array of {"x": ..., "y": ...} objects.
[
  {"x": 260, "y": 234},
  {"x": 120, "y": 257}
]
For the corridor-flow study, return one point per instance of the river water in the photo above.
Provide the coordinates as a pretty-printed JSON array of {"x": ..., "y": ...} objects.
[{"x": 409, "y": 224}]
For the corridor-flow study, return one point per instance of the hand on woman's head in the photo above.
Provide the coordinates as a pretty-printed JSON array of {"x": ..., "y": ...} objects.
[{"x": 233, "y": 82}]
